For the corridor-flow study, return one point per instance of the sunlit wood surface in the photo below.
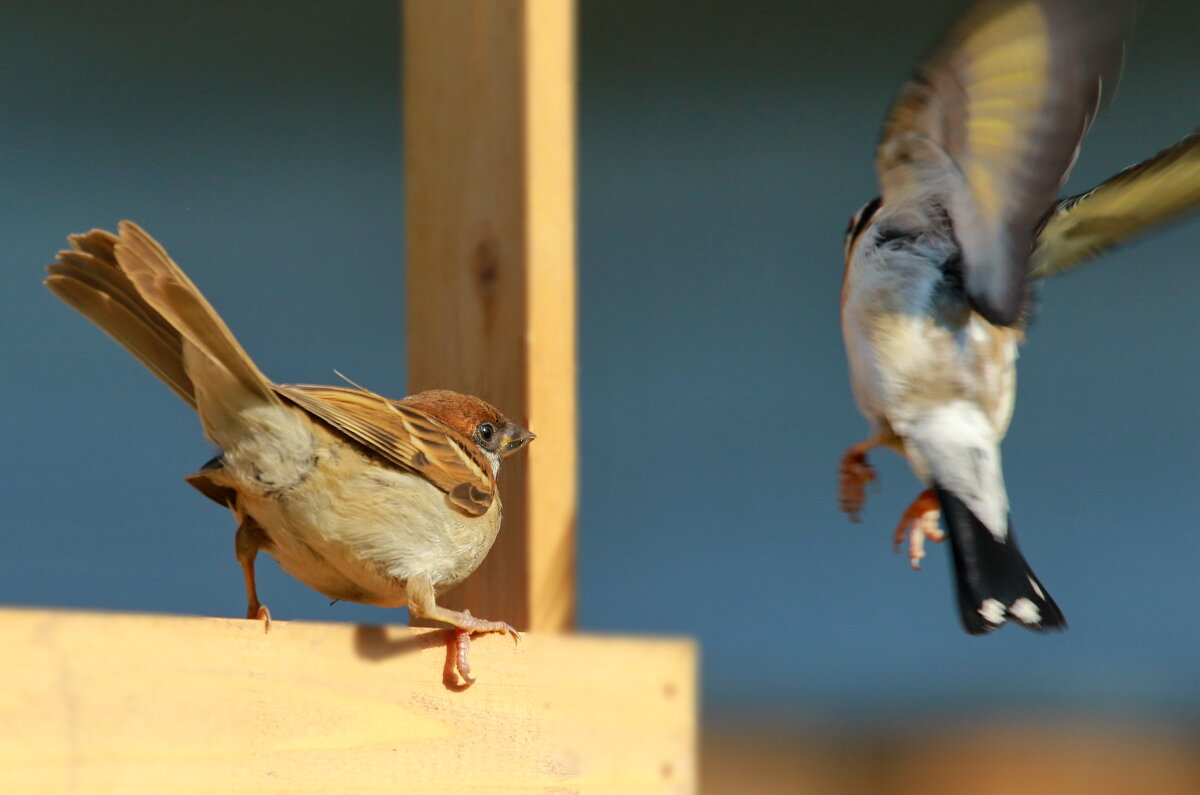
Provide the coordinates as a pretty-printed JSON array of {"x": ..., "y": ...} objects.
[{"x": 95, "y": 702}]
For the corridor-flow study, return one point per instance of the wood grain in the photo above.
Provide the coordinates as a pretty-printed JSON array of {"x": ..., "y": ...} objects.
[
  {"x": 99, "y": 703},
  {"x": 489, "y": 158}
]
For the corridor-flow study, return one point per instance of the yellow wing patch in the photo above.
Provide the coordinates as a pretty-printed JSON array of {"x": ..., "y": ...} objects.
[{"x": 1156, "y": 191}]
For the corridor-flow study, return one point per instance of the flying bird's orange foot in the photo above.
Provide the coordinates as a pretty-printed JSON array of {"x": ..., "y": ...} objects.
[
  {"x": 855, "y": 473},
  {"x": 919, "y": 522}
]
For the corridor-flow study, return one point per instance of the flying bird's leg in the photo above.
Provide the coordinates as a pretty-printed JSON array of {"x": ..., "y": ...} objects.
[
  {"x": 422, "y": 604},
  {"x": 855, "y": 473},
  {"x": 249, "y": 539},
  {"x": 919, "y": 522}
]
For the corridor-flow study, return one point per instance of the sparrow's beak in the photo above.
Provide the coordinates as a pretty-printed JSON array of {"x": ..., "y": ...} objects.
[{"x": 516, "y": 438}]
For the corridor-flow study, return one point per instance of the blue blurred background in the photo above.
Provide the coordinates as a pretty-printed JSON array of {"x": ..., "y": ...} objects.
[{"x": 723, "y": 146}]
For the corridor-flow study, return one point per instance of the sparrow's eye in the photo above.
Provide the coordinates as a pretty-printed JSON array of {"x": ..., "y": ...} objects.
[{"x": 486, "y": 432}]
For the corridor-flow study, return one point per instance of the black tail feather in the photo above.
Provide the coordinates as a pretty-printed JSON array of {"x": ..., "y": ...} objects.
[{"x": 994, "y": 582}]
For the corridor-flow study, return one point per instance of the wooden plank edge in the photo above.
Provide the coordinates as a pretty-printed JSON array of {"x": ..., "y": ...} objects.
[{"x": 102, "y": 702}]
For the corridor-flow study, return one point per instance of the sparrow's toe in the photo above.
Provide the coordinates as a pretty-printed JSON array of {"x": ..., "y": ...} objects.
[
  {"x": 261, "y": 613},
  {"x": 469, "y": 623},
  {"x": 462, "y": 643},
  {"x": 466, "y": 625}
]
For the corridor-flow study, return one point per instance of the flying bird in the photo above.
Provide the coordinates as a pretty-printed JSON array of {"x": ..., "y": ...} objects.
[{"x": 936, "y": 290}]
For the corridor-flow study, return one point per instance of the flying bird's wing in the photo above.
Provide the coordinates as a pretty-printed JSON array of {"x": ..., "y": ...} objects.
[
  {"x": 1153, "y": 192},
  {"x": 990, "y": 125}
]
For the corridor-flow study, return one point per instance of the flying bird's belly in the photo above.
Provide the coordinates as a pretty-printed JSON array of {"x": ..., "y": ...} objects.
[
  {"x": 902, "y": 363},
  {"x": 357, "y": 531}
]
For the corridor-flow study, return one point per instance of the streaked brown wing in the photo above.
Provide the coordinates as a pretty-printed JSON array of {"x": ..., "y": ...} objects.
[
  {"x": 1153, "y": 192},
  {"x": 1007, "y": 97},
  {"x": 405, "y": 436}
]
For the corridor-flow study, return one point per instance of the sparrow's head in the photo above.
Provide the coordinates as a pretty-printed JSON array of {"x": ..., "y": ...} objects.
[{"x": 481, "y": 422}]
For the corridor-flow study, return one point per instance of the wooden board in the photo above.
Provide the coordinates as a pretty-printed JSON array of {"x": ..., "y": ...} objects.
[
  {"x": 98, "y": 703},
  {"x": 489, "y": 158}
]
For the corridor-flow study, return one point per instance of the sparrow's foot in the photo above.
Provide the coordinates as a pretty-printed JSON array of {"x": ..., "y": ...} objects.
[
  {"x": 259, "y": 611},
  {"x": 462, "y": 656},
  {"x": 919, "y": 522},
  {"x": 249, "y": 539},
  {"x": 465, "y": 625},
  {"x": 855, "y": 473}
]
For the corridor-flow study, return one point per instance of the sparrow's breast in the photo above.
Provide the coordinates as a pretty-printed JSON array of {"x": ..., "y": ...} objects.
[{"x": 357, "y": 530}]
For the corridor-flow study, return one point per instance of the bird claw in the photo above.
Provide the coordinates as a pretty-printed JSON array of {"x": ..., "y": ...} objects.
[
  {"x": 919, "y": 522},
  {"x": 468, "y": 625},
  {"x": 923, "y": 528},
  {"x": 462, "y": 645},
  {"x": 260, "y": 612},
  {"x": 855, "y": 473}
]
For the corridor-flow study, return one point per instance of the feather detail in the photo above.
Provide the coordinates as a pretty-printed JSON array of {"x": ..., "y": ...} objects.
[
  {"x": 955, "y": 445},
  {"x": 129, "y": 287},
  {"x": 406, "y": 437},
  {"x": 993, "y": 581},
  {"x": 1156, "y": 191},
  {"x": 89, "y": 280},
  {"x": 165, "y": 287},
  {"x": 990, "y": 125}
]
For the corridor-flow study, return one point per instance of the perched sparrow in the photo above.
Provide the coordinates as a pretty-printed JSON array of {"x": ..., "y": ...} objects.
[
  {"x": 364, "y": 499},
  {"x": 973, "y": 154}
]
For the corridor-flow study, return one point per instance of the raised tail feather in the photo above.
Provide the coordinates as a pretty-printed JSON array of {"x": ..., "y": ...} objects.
[
  {"x": 128, "y": 286},
  {"x": 161, "y": 283},
  {"x": 993, "y": 580},
  {"x": 89, "y": 279}
]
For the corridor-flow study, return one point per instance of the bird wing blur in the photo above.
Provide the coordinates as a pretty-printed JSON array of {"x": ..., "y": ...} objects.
[
  {"x": 972, "y": 156},
  {"x": 990, "y": 126},
  {"x": 1156, "y": 191}
]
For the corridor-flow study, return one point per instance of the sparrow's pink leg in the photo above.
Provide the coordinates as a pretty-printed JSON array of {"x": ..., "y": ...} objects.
[
  {"x": 466, "y": 625},
  {"x": 919, "y": 522},
  {"x": 249, "y": 539},
  {"x": 855, "y": 473},
  {"x": 422, "y": 604},
  {"x": 462, "y": 645}
]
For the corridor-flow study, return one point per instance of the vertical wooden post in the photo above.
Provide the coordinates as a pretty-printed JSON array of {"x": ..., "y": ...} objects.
[{"x": 489, "y": 158}]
